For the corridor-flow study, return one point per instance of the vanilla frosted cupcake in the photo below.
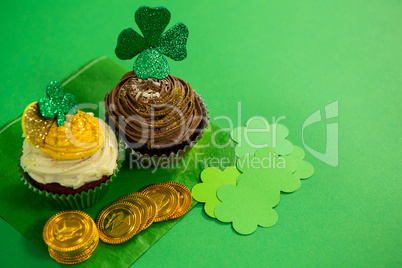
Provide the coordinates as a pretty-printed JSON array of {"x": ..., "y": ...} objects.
[
  {"x": 68, "y": 155},
  {"x": 70, "y": 176}
]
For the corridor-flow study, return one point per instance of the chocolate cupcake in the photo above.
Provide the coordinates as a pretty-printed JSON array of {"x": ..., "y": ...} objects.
[
  {"x": 68, "y": 156},
  {"x": 155, "y": 117},
  {"x": 158, "y": 116}
]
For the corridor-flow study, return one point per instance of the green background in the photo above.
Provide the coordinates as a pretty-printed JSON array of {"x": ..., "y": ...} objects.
[{"x": 277, "y": 58}]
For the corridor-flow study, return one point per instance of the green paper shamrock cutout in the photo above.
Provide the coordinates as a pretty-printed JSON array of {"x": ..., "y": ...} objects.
[
  {"x": 257, "y": 133},
  {"x": 212, "y": 179},
  {"x": 57, "y": 103},
  {"x": 304, "y": 169},
  {"x": 247, "y": 205},
  {"x": 154, "y": 44},
  {"x": 251, "y": 203},
  {"x": 282, "y": 172}
]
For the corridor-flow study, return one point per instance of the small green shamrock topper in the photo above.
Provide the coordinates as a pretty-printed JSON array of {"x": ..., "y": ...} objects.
[
  {"x": 153, "y": 44},
  {"x": 57, "y": 103}
]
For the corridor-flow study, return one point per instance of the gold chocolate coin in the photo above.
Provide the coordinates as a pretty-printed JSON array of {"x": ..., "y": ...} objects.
[
  {"x": 118, "y": 222},
  {"x": 165, "y": 197},
  {"x": 140, "y": 207},
  {"x": 69, "y": 231},
  {"x": 147, "y": 204},
  {"x": 88, "y": 250},
  {"x": 185, "y": 199},
  {"x": 67, "y": 261},
  {"x": 62, "y": 257}
]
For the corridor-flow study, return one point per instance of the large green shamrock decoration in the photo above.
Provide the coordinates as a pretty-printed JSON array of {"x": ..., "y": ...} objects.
[
  {"x": 57, "y": 103},
  {"x": 258, "y": 133},
  {"x": 212, "y": 178},
  {"x": 284, "y": 172},
  {"x": 248, "y": 205},
  {"x": 153, "y": 44}
]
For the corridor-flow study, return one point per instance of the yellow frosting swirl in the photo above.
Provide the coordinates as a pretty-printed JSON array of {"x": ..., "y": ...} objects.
[{"x": 80, "y": 136}]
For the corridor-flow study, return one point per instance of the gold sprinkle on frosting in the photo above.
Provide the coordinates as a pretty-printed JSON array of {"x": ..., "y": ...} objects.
[{"x": 34, "y": 126}]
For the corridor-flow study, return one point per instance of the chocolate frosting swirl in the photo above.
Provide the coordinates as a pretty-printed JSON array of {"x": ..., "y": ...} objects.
[{"x": 152, "y": 113}]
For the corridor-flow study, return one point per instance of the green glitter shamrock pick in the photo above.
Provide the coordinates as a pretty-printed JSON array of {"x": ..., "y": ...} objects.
[
  {"x": 153, "y": 44},
  {"x": 57, "y": 103}
]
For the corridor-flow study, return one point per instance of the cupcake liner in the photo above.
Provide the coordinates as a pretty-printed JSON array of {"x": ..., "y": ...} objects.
[
  {"x": 80, "y": 201},
  {"x": 174, "y": 157}
]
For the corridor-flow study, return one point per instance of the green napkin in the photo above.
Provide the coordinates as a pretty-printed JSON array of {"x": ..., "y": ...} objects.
[{"x": 28, "y": 213}]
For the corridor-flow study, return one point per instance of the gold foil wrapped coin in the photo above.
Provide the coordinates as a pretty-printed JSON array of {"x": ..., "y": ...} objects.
[
  {"x": 148, "y": 205},
  {"x": 71, "y": 236},
  {"x": 141, "y": 208},
  {"x": 69, "y": 230},
  {"x": 118, "y": 222},
  {"x": 185, "y": 199},
  {"x": 165, "y": 197},
  {"x": 73, "y": 259}
]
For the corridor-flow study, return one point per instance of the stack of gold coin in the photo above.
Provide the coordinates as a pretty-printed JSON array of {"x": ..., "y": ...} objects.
[
  {"x": 185, "y": 199},
  {"x": 173, "y": 199},
  {"x": 146, "y": 205},
  {"x": 71, "y": 236},
  {"x": 135, "y": 212}
]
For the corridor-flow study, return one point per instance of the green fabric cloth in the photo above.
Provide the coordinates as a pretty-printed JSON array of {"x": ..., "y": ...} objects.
[{"x": 28, "y": 212}]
